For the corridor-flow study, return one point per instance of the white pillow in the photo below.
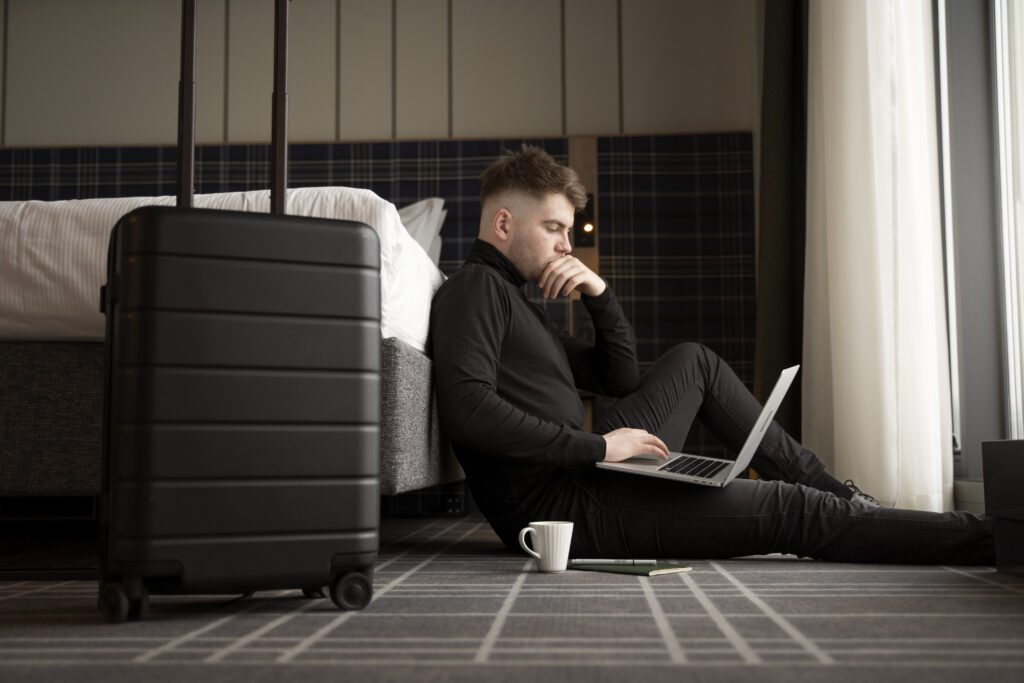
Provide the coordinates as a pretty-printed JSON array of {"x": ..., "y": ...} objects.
[{"x": 423, "y": 220}]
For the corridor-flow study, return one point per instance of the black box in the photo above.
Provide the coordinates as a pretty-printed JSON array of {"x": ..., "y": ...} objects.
[{"x": 1003, "y": 462}]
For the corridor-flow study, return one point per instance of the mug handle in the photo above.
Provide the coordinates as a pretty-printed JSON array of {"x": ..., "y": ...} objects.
[{"x": 522, "y": 541}]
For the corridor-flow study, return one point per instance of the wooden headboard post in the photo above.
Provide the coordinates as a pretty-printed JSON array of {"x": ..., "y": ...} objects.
[{"x": 583, "y": 158}]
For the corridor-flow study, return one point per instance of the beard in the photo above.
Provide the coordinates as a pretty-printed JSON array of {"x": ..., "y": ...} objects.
[{"x": 529, "y": 265}]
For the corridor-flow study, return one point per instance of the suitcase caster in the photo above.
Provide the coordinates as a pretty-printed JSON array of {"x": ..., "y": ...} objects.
[
  {"x": 119, "y": 605},
  {"x": 114, "y": 603},
  {"x": 351, "y": 591},
  {"x": 139, "y": 608}
]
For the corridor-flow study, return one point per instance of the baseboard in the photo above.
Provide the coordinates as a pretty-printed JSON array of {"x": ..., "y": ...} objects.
[
  {"x": 20, "y": 508},
  {"x": 34, "y": 549},
  {"x": 969, "y": 495}
]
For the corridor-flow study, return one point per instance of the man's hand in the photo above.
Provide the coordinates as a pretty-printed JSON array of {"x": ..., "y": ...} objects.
[
  {"x": 624, "y": 443},
  {"x": 562, "y": 276}
]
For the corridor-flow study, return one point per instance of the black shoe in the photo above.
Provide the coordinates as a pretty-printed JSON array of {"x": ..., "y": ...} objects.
[{"x": 859, "y": 496}]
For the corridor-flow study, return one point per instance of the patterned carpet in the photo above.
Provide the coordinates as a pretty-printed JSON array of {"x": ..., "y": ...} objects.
[{"x": 451, "y": 604}]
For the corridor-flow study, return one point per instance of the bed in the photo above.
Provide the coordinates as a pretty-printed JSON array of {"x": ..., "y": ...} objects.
[{"x": 52, "y": 263}]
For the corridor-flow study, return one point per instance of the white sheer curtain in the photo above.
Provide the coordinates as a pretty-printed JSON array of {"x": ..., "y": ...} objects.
[{"x": 875, "y": 373}]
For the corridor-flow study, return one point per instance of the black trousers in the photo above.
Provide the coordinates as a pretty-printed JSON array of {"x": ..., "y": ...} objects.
[{"x": 624, "y": 515}]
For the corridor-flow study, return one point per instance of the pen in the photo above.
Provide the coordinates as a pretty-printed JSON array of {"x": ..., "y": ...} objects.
[{"x": 634, "y": 563}]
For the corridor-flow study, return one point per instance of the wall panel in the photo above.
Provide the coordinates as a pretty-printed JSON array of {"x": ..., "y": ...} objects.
[
  {"x": 250, "y": 64},
  {"x": 3, "y": 94},
  {"x": 421, "y": 70},
  {"x": 312, "y": 63},
  {"x": 506, "y": 68},
  {"x": 101, "y": 72},
  {"x": 210, "y": 70},
  {"x": 312, "y": 70},
  {"x": 365, "y": 106},
  {"x": 591, "y": 67},
  {"x": 689, "y": 66}
]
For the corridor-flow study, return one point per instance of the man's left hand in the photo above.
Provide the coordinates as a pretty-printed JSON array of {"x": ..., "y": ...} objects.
[{"x": 562, "y": 276}]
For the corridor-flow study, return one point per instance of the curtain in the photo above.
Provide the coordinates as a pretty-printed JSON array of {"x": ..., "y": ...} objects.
[
  {"x": 780, "y": 240},
  {"x": 875, "y": 375}
]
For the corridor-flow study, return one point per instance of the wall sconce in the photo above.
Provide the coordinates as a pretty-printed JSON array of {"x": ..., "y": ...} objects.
[{"x": 584, "y": 230}]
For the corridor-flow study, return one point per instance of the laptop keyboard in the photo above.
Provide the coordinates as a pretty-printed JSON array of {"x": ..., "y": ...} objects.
[{"x": 697, "y": 467}]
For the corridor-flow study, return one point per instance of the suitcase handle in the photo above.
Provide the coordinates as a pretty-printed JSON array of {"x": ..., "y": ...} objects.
[
  {"x": 187, "y": 109},
  {"x": 187, "y": 106}
]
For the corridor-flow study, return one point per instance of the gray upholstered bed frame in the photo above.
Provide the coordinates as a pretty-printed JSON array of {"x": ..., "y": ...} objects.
[{"x": 51, "y": 412}]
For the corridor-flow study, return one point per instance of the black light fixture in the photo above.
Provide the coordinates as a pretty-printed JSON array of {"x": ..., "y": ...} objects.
[{"x": 584, "y": 230}]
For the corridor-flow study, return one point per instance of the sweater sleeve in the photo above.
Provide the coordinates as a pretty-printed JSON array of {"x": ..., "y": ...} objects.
[
  {"x": 609, "y": 364},
  {"x": 469, "y": 320}
]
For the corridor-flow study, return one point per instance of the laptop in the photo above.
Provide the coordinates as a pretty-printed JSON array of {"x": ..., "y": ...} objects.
[{"x": 704, "y": 470}]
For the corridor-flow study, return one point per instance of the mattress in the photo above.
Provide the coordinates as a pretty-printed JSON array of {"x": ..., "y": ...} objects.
[{"x": 53, "y": 259}]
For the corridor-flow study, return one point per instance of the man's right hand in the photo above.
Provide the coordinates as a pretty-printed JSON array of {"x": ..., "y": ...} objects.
[{"x": 624, "y": 443}]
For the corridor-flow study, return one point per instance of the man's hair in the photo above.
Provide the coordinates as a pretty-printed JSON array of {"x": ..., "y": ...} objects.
[{"x": 532, "y": 171}]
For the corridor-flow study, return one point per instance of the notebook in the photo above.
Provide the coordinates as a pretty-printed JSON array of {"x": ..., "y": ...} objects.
[{"x": 704, "y": 470}]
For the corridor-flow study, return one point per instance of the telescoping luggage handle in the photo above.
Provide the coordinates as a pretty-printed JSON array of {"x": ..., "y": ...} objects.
[
  {"x": 187, "y": 109},
  {"x": 187, "y": 117}
]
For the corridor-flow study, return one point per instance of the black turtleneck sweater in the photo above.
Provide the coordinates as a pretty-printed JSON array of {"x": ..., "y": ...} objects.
[{"x": 506, "y": 383}]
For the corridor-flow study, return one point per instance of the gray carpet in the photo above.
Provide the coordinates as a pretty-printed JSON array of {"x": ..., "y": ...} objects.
[{"x": 451, "y": 604}]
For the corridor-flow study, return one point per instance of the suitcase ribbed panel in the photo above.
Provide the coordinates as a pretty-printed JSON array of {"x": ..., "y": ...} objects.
[
  {"x": 244, "y": 399},
  {"x": 176, "y": 509},
  {"x": 221, "y": 285},
  {"x": 231, "y": 340},
  {"x": 176, "y": 451},
  {"x": 248, "y": 395}
]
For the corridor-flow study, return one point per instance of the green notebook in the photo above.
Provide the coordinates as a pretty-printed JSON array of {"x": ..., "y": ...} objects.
[{"x": 638, "y": 569}]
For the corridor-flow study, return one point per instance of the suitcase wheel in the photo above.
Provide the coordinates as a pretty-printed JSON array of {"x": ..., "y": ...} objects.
[
  {"x": 118, "y": 607},
  {"x": 351, "y": 591},
  {"x": 114, "y": 603},
  {"x": 139, "y": 609},
  {"x": 314, "y": 593}
]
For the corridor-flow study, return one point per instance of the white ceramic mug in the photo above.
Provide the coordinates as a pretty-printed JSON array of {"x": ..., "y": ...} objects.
[{"x": 552, "y": 541}]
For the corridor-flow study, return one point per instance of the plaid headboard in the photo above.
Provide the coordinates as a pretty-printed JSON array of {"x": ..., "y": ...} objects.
[
  {"x": 677, "y": 240},
  {"x": 676, "y": 212}
]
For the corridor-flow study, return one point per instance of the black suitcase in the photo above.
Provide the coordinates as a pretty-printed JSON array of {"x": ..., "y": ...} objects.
[{"x": 241, "y": 407}]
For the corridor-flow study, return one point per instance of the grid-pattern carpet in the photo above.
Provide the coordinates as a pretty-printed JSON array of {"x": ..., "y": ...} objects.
[{"x": 451, "y": 604}]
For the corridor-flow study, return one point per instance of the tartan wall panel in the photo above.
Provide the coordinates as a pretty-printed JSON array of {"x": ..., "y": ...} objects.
[
  {"x": 676, "y": 233},
  {"x": 676, "y": 216},
  {"x": 86, "y": 172}
]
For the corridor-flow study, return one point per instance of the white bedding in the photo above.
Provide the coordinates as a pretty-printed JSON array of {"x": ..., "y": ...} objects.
[{"x": 53, "y": 259}]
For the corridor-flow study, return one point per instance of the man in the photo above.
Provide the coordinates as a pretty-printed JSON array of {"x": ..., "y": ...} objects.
[{"x": 507, "y": 385}]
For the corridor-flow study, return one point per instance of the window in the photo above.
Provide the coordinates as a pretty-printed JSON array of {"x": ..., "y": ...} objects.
[
  {"x": 1008, "y": 60},
  {"x": 983, "y": 266}
]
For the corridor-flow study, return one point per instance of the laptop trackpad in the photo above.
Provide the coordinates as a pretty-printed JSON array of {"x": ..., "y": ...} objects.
[{"x": 649, "y": 460}]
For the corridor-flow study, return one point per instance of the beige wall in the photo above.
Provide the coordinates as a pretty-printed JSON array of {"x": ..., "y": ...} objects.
[{"x": 105, "y": 72}]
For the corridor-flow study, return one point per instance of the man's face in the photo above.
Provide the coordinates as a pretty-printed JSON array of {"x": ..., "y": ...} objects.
[{"x": 539, "y": 233}]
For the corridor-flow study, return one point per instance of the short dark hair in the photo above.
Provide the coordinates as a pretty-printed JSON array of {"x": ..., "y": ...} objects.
[{"x": 532, "y": 171}]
